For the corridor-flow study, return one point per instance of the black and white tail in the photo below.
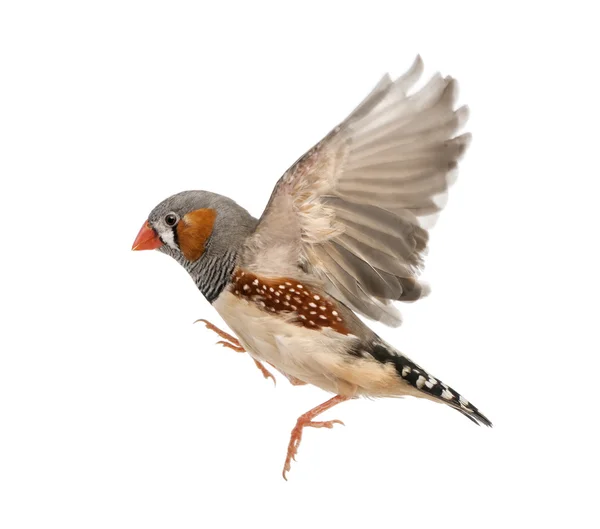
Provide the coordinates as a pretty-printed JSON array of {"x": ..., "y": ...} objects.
[{"x": 420, "y": 379}]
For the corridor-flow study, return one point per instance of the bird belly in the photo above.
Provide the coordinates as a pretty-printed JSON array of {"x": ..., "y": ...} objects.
[{"x": 316, "y": 357}]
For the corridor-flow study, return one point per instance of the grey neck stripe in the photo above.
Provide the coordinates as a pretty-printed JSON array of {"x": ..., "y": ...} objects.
[{"x": 212, "y": 273}]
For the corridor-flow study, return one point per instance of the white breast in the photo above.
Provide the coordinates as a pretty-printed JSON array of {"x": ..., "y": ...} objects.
[{"x": 315, "y": 357}]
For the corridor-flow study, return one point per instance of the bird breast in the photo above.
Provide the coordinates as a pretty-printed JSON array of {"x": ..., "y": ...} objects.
[{"x": 316, "y": 353}]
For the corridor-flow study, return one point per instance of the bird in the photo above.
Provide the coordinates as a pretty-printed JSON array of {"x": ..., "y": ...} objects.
[{"x": 343, "y": 236}]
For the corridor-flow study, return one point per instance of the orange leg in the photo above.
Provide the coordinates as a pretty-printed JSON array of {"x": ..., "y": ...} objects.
[
  {"x": 295, "y": 381},
  {"x": 221, "y": 333},
  {"x": 234, "y": 347},
  {"x": 307, "y": 420},
  {"x": 266, "y": 373},
  {"x": 232, "y": 343}
]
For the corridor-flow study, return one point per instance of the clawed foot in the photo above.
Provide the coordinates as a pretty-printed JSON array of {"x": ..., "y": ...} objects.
[
  {"x": 221, "y": 333},
  {"x": 296, "y": 437},
  {"x": 229, "y": 345},
  {"x": 232, "y": 343},
  {"x": 307, "y": 420},
  {"x": 266, "y": 373},
  {"x": 295, "y": 381}
]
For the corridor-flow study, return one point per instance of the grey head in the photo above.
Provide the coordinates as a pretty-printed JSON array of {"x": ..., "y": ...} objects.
[{"x": 203, "y": 232}]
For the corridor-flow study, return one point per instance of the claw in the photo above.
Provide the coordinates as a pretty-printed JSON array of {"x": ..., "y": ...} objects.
[
  {"x": 221, "y": 333},
  {"x": 265, "y": 372},
  {"x": 324, "y": 424},
  {"x": 307, "y": 420},
  {"x": 236, "y": 348},
  {"x": 230, "y": 342},
  {"x": 295, "y": 381}
]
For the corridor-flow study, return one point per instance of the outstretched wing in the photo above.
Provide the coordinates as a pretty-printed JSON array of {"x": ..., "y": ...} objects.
[{"x": 354, "y": 210}]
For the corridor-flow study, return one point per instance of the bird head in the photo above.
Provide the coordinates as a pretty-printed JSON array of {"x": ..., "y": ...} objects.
[{"x": 192, "y": 225}]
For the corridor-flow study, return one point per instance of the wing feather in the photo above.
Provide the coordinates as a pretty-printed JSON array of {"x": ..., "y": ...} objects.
[{"x": 352, "y": 212}]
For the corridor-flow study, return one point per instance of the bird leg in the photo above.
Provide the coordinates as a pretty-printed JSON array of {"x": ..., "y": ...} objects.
[
  {"x": 307, "y": 420},
  {"x": 221, "y": 333},
  {"x": 233, "y": 343},
  {"x": 266, "y": 373},
  {"x": 295, "y": 381}
]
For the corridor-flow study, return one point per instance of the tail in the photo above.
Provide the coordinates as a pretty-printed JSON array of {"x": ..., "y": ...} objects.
[{"x": 425, "y": 383}]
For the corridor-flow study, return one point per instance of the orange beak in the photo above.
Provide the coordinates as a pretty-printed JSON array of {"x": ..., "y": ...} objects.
[{"x": 146, "y": 239}]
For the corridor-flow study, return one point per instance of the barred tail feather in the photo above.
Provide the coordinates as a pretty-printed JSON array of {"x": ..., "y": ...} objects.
[{"x": 426, "y": 384}]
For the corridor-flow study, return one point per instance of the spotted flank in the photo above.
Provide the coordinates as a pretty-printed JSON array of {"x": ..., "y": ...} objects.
[
  {"x": 418, "y": 378},
  {"x": 288, "y": 296}
]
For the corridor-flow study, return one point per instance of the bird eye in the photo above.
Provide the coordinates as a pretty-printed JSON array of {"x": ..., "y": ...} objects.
[{"x": 171, "y": 219}]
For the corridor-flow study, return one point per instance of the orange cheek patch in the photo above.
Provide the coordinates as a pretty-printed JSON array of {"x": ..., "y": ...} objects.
[{"x": 193, "y": 231}]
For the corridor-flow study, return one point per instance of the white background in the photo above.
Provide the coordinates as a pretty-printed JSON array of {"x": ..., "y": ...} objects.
[{"x": 116, "y": 411}]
